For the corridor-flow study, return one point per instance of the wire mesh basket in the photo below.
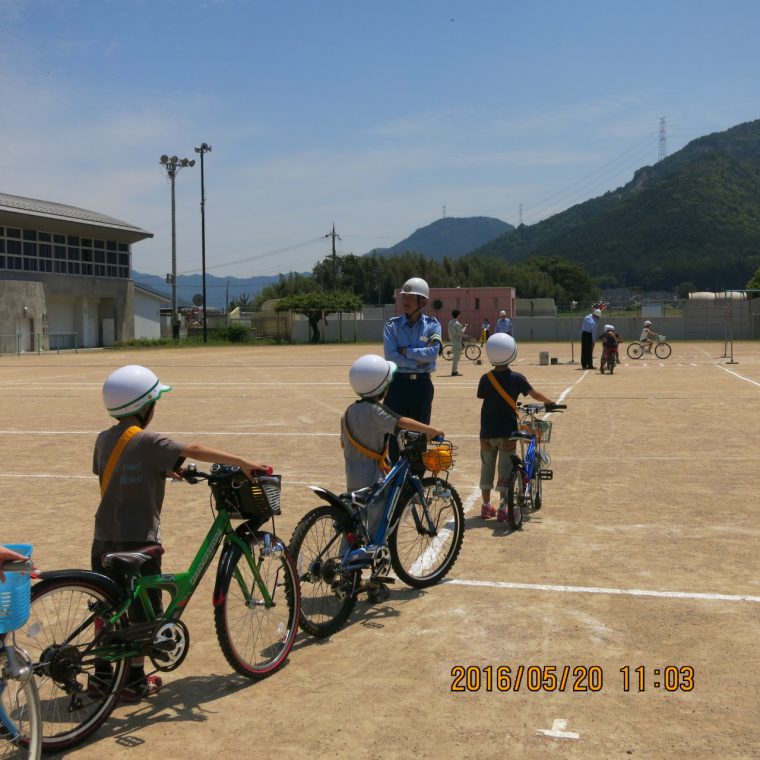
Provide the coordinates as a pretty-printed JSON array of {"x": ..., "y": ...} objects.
[
  {"x": 542, "y": 429},
  {"x": 439, "y": 456},
  {"x": 15, "y": 593},
  {"x": 661, "y": 338},
  {"x": 248, "y": 499}
]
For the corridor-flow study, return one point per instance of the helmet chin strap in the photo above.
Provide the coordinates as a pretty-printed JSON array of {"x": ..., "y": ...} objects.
[{"x": 416, "y": 313}]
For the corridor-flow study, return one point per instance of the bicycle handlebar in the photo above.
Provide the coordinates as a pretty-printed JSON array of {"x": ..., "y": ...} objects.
[
  {"x": 192, "y": 474},
  {"x": 18, "y": 566},
  {"x": 533, "y": 408}
]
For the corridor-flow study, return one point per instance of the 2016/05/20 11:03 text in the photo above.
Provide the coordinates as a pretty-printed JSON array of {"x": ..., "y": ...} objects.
[{"x": 574, "y": 678}]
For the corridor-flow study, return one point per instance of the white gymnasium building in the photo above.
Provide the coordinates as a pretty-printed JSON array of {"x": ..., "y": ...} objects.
[{"x": 66, "y": 278}]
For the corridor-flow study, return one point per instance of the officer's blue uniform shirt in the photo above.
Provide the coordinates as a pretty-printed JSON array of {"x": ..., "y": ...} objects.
[
  {"x": 421, "y": 341},
  {"x": 591, "y": 325}
]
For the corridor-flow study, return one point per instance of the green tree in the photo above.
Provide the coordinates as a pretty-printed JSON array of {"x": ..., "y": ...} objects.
[{"x": 317, "y": 305}]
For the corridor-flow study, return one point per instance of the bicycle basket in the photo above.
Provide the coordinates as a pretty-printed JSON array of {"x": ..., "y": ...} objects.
[
  {"x": 248, "y": 499},
  {"x": 661, "y": 338},
  {"x": 542, "y": 429},
  {"x": 15, "y": 594},
  {"x": 439, "y": 456}
]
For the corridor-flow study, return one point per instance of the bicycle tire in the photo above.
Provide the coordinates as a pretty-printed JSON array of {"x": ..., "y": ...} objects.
[
  {"x": 472, "y": 352},
  {"x": 74, "y": 701},
  {"x": 327, "y": 596},
  {"x": 20, "y": 721},
  {"x": 611, "y": 362},
  {"x": 255, "y": 638},
  {"x": 516, "y": 500},
  {"x": 537, "y": 491},
  {"x": 448, "y": 352},
  {"x": 662, "y": 350},
  {"x": 413, "y": 551},
  {"x": 635, "y": 350}
]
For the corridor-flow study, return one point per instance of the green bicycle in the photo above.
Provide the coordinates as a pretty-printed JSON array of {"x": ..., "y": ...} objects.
[{"x": 80, "y": 638}]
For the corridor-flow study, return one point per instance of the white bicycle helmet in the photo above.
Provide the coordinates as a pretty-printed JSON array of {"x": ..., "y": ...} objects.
[
  {"x": 647, "y": 324},
  {"x": 370, "y": 375},
  {"x": 127, "y": 390},
  {"x": 417, "y": 287},
  {"x": 501, "y": 349},
  {"x": 502, "y": 313},
  {"x": 607, "y": 328}
]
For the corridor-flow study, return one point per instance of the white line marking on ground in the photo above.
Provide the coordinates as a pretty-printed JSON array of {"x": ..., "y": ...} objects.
[
  {"x": 557, "y": 731},
  {"x": 736, "y": 374},
  {"x": 599, "y": 590}
]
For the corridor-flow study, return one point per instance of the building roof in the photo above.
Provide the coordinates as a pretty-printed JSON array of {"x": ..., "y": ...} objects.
[
  {"x": 153, "y": 293},
  {"x": 32, "y": 207}
]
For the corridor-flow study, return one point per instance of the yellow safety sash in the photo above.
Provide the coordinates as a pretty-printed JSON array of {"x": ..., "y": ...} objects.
[
  {"x": 496, "y": 384},
  {"x": 380, "y": 457},
  {"x": 125, "y": 438}
]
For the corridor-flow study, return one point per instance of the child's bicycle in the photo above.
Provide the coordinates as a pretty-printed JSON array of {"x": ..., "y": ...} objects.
[
  {"x": 469, "y": 348},
  {"x": 662, "y": 349},
  {"x": 609, "y": 360},
  {"x": 530, "y": 466},
  {"x": 20, "y": 722},
  {"x": 419, "y": 535},
  {"x": 81, "y": 638}
]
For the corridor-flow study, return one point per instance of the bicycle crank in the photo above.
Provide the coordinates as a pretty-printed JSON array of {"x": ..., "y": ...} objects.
[{"x": 170, "y": 646}]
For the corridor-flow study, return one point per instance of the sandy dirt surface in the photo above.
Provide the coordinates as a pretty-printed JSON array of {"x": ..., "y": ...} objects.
[{"x": 645, "y": 556}]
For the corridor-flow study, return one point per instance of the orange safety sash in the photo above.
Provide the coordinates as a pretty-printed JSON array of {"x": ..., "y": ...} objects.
[
  {"x": 496, "y": 384},
  {"x": 381, "y": 458},
  {"x": 125, "y": 438}
]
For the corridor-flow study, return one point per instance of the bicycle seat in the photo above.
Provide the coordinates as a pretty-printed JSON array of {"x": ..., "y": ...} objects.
[
  {"x": 131, "y": 562},
  {"x": 521, "y": 435}
]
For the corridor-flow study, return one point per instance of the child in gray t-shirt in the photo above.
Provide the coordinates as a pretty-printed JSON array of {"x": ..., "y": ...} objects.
[
  {"x": 367, "y": 423},
  {"x": 132, "y": 465}
]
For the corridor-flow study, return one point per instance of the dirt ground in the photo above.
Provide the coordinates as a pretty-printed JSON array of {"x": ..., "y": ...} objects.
[{"x": 643, "y": 560}]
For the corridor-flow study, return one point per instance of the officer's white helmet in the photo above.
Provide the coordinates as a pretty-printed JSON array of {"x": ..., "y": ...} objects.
[
  {"x": 501, "y": 349},
  {"x": 607, "y": 328},
  {"x": 597, "y": 312},
  {"x": 502, "y": 313},
  {"x": 417, "y": 287},
  {"x": 127, "y": 390},
  {"x": 370, "y": 375}
]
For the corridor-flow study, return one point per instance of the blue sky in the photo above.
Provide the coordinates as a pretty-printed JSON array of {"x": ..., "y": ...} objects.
[{"x": 369, "y": 115}]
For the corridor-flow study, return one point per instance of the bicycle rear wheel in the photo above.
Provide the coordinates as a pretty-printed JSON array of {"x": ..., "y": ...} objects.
[
  {"x": 328, "y": 593},
  {"x": 662, "y": 350},
  {"x": 77, "y": 692},
  {"x": 472, "y": 352},
  {"x": 427, "y": 538},
  {"x": 447, "y": 352},
  {"x": 257, "y": 634},
  {"x": 20, "y": 721},
  {"x": 635, "y": 350},
  {"x": 517, "y": 502}
]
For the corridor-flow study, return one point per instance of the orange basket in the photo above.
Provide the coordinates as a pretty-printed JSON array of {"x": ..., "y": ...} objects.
[{"x": 439, "y": 456}]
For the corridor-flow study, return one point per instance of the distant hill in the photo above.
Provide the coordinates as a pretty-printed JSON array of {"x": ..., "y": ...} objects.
[
  {"x": 216, "y": 287},
  {"x": 449, "y": 237},
  {"x": 692, "y": 217}
]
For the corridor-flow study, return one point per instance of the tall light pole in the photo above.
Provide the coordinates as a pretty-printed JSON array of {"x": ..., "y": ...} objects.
[
  {"x": 172, "y": 164},
  {"x": 203, "y": 148}
]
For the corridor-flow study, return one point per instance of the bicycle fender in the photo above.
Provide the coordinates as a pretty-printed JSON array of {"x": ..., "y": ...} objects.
[
  {"x": 103, "y": 582},
  {"x": 224, "y": 569},
  {"x": 331, "y": 498}
]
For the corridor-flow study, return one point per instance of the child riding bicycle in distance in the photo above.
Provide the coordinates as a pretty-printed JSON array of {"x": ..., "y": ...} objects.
[
  {"x": 132, "y": 465},
  {"x": 646, "y": 336},
  {"x": 500, "y": 388},
  {"x": 610, "y": 341},
  {"x": 367, "y": 423}
]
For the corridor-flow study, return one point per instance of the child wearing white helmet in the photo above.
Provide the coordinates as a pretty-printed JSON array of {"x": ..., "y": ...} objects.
[
  {"x": 367, "y": 423},
  {"x": 610, "y": 341},
  {"x": 132, "y": 465},
  {"x": 646, "y": 336},
  {"x": 500, "y": 388}
]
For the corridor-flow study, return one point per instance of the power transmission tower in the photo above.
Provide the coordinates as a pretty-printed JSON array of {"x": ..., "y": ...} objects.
[
  {"x": 334, "y": 235},
  {"x": 444, "y": 210},
  {"x": 519, "y": 216},
  {"x": 663, "y": 151}
]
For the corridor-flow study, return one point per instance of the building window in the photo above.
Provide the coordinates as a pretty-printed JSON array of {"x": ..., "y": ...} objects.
[
  {"x": 30, "y": 249},
  {"x": 12, "y": 233},
  {"x": 30, "y": 235}
]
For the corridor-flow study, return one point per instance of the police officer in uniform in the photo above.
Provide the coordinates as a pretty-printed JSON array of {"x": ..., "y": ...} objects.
[{"x": 412, "y": 340}]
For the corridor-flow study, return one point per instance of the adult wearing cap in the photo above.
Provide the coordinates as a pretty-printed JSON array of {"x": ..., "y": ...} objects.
[
  {"x": 589, "y": 334},
  {"x": 412, "y": 340},
  {"x": 503, "y": 323}
]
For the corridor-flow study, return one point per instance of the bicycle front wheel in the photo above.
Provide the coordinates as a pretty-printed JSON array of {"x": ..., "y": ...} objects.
[
  {"x": 662, "y": 350},
  {"x": 472, "y": 352},
  {"x": 20, "y": 721},
  {"x": 77, "y": 691},
  {"x": 448, "y": 352},
  {"x": 328, "y": 592},
  {"x": 635, "y": 350},
  {"x": 257, "y": 620},
  {"x": 428, "y": 536}
]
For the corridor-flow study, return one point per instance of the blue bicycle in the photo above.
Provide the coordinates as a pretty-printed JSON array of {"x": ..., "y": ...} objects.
[
  {"x": 529, "y": 467},
  {"x": 419, "y": 534},
  {"x": 20, "y": 721}
]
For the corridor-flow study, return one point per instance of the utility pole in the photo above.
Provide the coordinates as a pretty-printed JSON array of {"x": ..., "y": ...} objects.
[
  {"x": 334, "y": 235},
  {"x": 663, "y": 144}
]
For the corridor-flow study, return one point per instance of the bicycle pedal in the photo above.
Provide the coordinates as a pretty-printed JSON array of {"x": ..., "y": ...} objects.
[
  {"x": 546, "y": 474},
  {"x": 382, "y": 579}
]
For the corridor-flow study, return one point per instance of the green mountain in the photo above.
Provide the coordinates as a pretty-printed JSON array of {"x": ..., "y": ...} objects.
[
  {"x": 692, "y": 217},
  {"x": 449, "y": 237}
]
